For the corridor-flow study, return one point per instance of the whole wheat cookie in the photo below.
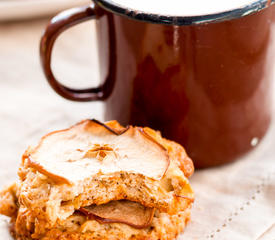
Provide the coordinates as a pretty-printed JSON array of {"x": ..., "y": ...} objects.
[{"x": 97, "y": 181}]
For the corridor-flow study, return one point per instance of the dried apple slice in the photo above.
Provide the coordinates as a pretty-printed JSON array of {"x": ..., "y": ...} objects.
[
  {"x": 131, "y": 213},
  {"x": 91, "y": 147}
]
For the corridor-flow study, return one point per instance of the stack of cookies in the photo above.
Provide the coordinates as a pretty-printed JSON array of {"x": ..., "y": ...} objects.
[{"x": 101, "y": 181}]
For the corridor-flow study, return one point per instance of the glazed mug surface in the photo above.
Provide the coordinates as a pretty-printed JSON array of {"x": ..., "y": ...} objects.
[{"x": 203, "y": 81}]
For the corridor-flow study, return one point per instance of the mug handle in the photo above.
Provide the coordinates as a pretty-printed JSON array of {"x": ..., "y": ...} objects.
[{"x": 57, "y": 25}]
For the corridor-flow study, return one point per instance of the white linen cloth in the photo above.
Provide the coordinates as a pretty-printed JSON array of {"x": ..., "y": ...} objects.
[
  {"x": 28, "y": 9},
  {"x": 233, "y": 202}
]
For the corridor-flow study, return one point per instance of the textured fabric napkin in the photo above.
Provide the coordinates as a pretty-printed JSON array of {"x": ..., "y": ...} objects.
[{"x": 233, "y": 202}]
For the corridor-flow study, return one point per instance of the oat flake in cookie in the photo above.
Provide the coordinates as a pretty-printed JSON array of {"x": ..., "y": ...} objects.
[{"x": 101, "y": 181}]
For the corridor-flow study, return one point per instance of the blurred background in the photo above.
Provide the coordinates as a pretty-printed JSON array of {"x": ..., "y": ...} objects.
[{"x": 29, "y": 108}]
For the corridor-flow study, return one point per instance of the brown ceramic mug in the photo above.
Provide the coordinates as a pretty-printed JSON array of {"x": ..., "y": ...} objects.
[{"x": 203, "y": 81}]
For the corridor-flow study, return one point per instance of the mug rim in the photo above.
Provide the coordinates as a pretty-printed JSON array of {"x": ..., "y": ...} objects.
[{"x": 249, "y": 9}]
